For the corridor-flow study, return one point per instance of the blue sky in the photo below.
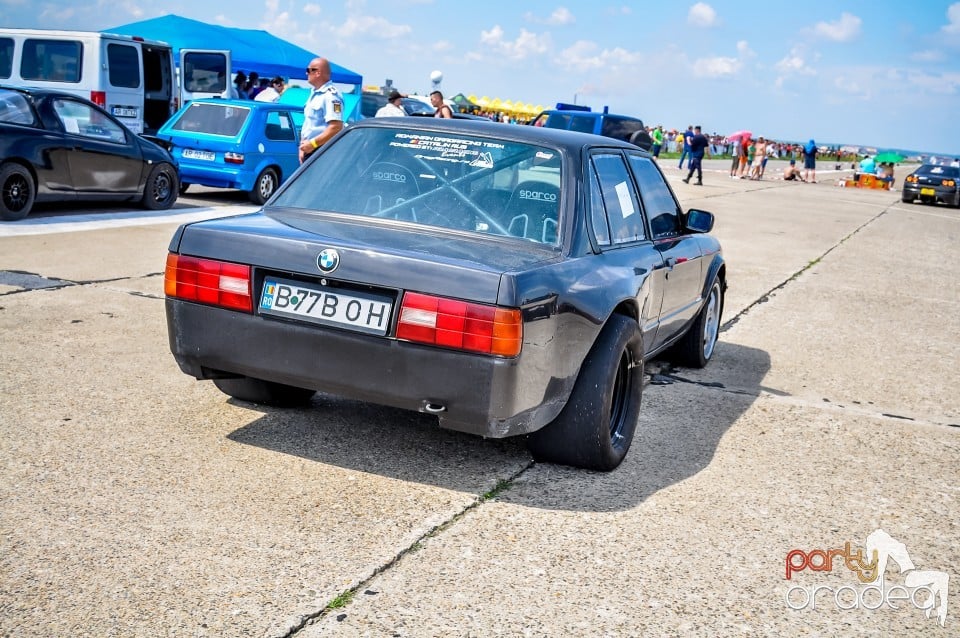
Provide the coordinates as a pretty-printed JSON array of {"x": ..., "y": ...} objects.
[{"x": 881, "y": 73}]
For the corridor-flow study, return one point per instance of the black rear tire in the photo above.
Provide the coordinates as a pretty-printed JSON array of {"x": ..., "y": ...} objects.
[
  {"x": 162, "y": 187},
  {"x": 265, "y": 186},
  {"x": 595, "y": 428},
  {"x": 266, "y": 392},
  {"x": 17, "y": 192},
  {"x": 696, "y": 347}
]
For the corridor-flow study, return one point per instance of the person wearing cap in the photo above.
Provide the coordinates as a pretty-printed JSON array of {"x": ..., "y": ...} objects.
[
  {"x": 323, "y": 112},
  {"x": 392, "y": 108}
]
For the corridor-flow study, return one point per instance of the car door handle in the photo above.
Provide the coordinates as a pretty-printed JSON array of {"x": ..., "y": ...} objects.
[{"x": 670, "y": 262}]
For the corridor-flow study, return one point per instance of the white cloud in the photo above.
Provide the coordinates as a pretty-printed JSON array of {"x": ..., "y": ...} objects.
[
  {"x": 929, "y": 55},
  {"x": 716, "y": 67},
  {"x": 560, "y": 16},
  {"x": 702, "y": 15},
  {"x": 794, "y": 62},
  {"x": 843, "y": 30},
  {"x": 371, "y": 26},
  {"x": 585, "y": 55},
  {"x": 953, "y": 19},
  {"x": 312, "y": 9},
  {"x": 527, "y": 44},
  {"x": 942, "y": 83}
]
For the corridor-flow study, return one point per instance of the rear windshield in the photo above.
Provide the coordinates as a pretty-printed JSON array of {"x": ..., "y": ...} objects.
[
  {"x": 446, "y": 180},
  {"x": 213, "y": 119},
  {"x": 936, "y": 170}
]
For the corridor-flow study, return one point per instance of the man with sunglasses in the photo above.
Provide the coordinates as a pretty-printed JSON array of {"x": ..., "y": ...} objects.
[{"x": 323, "y": 112}]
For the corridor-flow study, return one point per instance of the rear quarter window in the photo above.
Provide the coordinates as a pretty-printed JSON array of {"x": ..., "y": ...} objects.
[
  {"x": 14, "y": 109},
  {"x": 620, "y": 128},
  {"x": 658, "y": 202}
]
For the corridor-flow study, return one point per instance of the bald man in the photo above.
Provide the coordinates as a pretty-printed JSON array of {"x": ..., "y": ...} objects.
[{"x": 323, "y": 112}]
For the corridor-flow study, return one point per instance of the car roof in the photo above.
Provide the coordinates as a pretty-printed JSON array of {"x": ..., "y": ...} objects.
[
  {"x": 42, "y": 92},
  {"x": 570, "y": 141}
]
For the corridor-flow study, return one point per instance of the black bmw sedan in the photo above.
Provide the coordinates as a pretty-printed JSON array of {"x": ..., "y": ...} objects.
[
  {"x": 510, "y": 280},
  {"x": 55, "y": 146}
]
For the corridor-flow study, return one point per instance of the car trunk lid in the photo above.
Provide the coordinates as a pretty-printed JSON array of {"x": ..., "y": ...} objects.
[{"x": 388, "y": 256}]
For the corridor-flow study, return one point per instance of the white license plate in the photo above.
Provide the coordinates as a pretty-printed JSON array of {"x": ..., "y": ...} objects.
[
  {"x": 190, "y": 153},
  {"x": 928, "y": 191},
  {"x": 125, "y": 111},
  {"x": 353, "y": 310}
]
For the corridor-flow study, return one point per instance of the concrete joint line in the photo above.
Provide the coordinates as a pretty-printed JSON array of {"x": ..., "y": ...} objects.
[
  {"x": 729, "y": 323},
  {"x": 501, "y": 486}
]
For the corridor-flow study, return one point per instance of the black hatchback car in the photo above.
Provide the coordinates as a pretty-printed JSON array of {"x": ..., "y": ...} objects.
[
  {"x": 511, "y": 280},
  {"x": 55, "y": 146},
  {"x": 933, "y": 183}
]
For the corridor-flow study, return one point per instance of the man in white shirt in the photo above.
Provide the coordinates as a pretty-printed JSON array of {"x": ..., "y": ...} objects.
[
  {"x": 323, "y": 112},
  {"x": 392, "y": 108},
  {"x": 272, "y": 92}
]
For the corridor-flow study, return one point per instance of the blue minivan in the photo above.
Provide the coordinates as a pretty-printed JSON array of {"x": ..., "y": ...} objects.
[{"x": 243, "y": 144}]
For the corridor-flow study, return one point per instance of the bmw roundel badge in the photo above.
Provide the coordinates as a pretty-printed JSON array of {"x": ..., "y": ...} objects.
[{"x": 328, "y": 260}]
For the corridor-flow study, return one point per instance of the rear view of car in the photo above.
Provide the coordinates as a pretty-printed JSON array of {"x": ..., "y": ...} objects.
[
  {"x": 933, "y": 183},
  {"x": 240, "y": 144}
]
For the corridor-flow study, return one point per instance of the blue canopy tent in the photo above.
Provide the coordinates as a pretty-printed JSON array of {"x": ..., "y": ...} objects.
[{"x": 250, "y": 49}]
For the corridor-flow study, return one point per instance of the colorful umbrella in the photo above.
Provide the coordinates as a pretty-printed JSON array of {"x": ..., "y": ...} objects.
[
  {"x": 888, "y": 158},
  {"x": 740, "y": 134}
]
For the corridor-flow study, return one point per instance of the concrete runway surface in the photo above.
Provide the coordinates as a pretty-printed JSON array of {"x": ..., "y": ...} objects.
[{"x": 135, "y": 501}]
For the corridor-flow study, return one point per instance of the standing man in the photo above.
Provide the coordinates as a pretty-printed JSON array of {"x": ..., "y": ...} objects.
[
  {"x": 810, "y": 162},
  {"x": 436, "y": 98},
  {"x": 323, "y": 112},
  {"x": 687, "y": 136},
  {"x": 657, "y": 137},
  {"x": 698, "y": 145}
]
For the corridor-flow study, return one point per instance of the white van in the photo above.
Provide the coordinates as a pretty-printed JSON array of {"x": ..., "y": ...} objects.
[{"x": 133, "y": 78}]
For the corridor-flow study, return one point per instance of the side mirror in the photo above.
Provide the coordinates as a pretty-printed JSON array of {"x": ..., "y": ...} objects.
[{"x": 698, "y": 221}]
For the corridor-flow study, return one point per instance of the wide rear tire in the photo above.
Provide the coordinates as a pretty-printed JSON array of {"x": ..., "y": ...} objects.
[
  {"x": 596, "y": 426},
  {"x": 266, "y": 392}
]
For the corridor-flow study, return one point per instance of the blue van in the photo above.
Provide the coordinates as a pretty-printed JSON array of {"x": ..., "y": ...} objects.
[{"x": 243, "y": 144}]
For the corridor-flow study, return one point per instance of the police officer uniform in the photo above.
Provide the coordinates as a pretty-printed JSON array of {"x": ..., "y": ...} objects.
[{"x": 324, "y": 105}]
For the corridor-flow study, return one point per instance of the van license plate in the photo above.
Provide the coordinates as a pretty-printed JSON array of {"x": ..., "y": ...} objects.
[
  {"x": 190, "y": 153},
  {"x": 125, "y": 111}
]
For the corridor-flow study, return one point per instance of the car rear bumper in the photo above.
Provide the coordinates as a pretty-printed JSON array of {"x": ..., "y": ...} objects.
[
  {"x": 941, "y": 195},
  {"x": 216, "y": 175},
  {"x": 483, "y": 395}
]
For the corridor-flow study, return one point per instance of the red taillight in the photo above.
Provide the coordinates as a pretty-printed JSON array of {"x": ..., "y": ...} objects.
[
  {"x": 99, "y": 98},
  {"x": 949, "y": 183},
  {"x": 460, "y": 325},
  {"x": 217, "y": 283},
  {"x": 233, "y": 158},
  {"x": 912, "y": 179}
]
